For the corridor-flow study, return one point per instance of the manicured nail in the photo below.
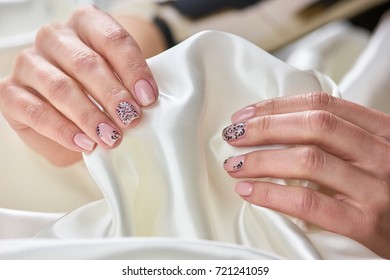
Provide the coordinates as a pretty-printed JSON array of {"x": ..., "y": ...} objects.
[
  {"x": 245, "y": 114},
  {"x": 144, "y": 92},
  {"x": 108, "y": 134},
  {"x": 126, "y": 112},
  {"x": 234, "y": 131},
  {"x": 84, "y": 142},
  {"x": 234, "y": 163},
  {"x": 244, "y": 188}
]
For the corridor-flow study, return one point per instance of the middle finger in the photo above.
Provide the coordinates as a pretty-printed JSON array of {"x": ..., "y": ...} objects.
[
  {"x": 303, "y": 162},
  {"x": 323, "y": 129},
  {"x": 91, "y": 70}
]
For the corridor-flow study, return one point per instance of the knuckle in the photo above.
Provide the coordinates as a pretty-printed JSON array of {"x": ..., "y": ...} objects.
[
  {"x": 35, "y": 113},
  {"x": 382, "y": 162},
  {"x": 307, "y": 202},
  {"x": 310, "y": 160},
  {"x": 85, "y": 60},
  {"x": 263, "y": 124},
  {"x": 47, "y": 31},
  {"x": 44, "y": 31},
  {"x": 380, "y": 199},
  {"x": 320, "y": 122},
  {"x": 87, "y": 116},
  {"x": 318, "y": 100},
  {"x": 64, "y": 131},
  {"x": 369, "y": 225},
  {"x": 83, "y": 11},
  {"x": 270, "y": 106},
  {"x": 117, "y": 36},
  {"x": 58, "y": 86},
  {"x": 137, "y": 67},
  {"x": 5, "y": 86},
  {"x": 22, "y": 58},
  {"x": 256, "y": 161},
  {"x": 7, "y": 94},
  {"x": 266, "y": 194}
]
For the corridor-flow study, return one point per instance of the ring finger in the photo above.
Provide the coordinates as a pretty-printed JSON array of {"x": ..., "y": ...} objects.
[
  {"x": 323, "y": 129},
  {"x": 304, "y": 162}
]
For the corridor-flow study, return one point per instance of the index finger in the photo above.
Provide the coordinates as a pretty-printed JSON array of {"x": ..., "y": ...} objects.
[
  {"x": 121, "y": 51},
  {"x": 370, "y": 120}
]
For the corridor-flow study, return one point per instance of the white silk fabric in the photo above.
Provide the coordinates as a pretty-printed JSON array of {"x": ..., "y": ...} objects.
[
  {"x": 166, "y": 179},
  {"x": 166, "y": 193}
]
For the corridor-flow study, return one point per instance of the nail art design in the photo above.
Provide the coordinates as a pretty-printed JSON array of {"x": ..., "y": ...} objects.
[
  {"x": 238, "y": 165},
  {"x": 107, "y": 133},
  {"x": 126, "y": 112},
  {"x": 234, "y": 163},
  {"x": 234, "y": 131},
  {"x": 115, "y": 135}
]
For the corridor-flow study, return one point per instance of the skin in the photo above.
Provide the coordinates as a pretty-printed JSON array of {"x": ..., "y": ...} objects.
[
  {"x": 341, "y": 146},
  {"x": 44, "y": 99}
]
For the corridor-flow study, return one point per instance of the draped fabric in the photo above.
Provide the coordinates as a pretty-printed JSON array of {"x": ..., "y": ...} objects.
[
  {"x": 166, "y": 194},
  {"x": 166, "y": 178}
]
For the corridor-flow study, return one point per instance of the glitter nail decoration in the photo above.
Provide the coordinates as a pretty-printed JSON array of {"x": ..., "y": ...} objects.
[
  {"x": 234, "y": 131},
  {"x": 126, "y": 112}
]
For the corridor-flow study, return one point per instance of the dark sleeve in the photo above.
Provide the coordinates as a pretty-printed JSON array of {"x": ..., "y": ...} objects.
[{"x": 199, "y": 8}]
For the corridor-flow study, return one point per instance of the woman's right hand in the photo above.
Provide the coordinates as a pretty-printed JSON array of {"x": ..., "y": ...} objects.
[{"x": 48, "y": 97}]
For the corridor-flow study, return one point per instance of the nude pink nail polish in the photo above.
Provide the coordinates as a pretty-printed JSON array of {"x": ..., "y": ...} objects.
[
  {"x": 144, "y": 92},
  {"x": 244, "y": 188},
  {"x": 108, "y": 134},
  {"x": 234, "y": 163},
  {"x": 244, "y": 114},
  {"x": 84, "y": 142}
]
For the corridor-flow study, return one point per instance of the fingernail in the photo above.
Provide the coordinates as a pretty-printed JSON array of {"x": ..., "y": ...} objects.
[
  {"x": 127, "y": 112},
  {"x": 234, "y": 131},
  {"x": 108, "y": 134},
  {"x": 244, "y": 114},
  {"x": 234, "y": 163},
  {"x": 144, "y": 92},
  {"x": 244, "y": 188},
  {"x": 84, "y": 142}
]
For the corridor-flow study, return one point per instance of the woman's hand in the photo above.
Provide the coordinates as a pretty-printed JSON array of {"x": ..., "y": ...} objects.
[
  {"x": 47, "y": 99},
  {"x": 341, "y": 146}
]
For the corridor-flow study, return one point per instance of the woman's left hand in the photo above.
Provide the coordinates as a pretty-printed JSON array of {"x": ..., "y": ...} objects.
[{"x": 341, "y": 146}]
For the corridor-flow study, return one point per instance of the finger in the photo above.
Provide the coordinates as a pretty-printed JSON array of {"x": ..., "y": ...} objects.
[
  {"x": 67, "y": 97},
  {"x": 304, "y": 163},
  {"x": 373, "y": 121},
  {"x": 319, "y": 128},
  {"x": 90, "y": 70},
  {"x": 303, "y": 203},
  {"x": 122, "y": 52},
  {"x": 25, "y": 110}
]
